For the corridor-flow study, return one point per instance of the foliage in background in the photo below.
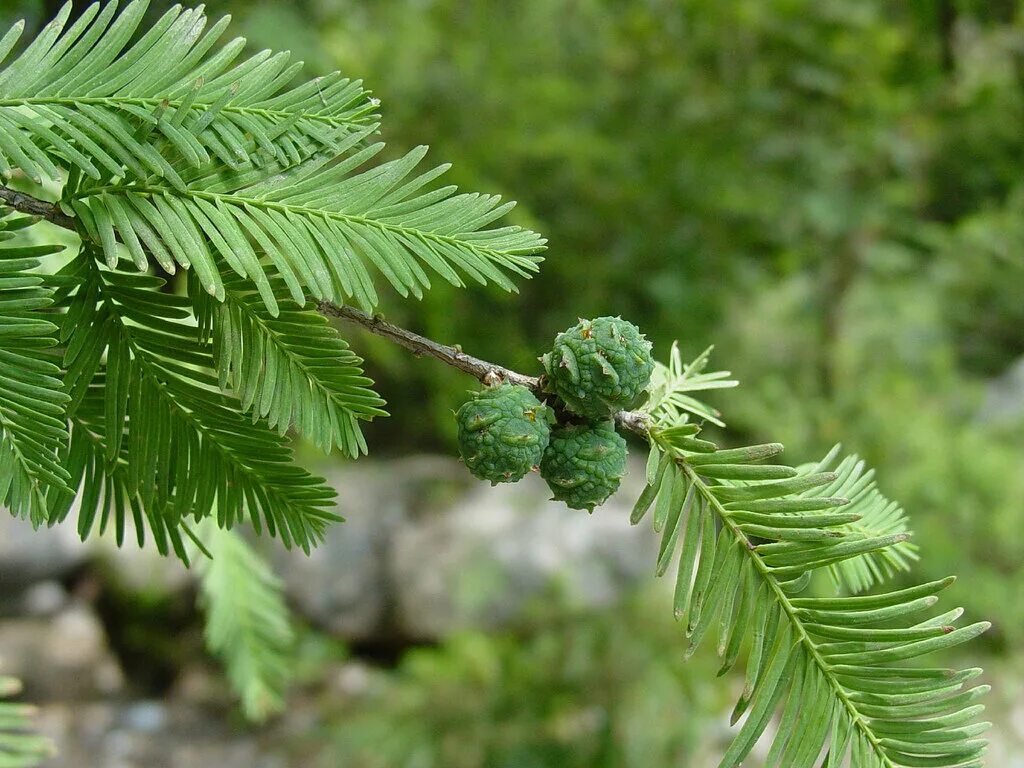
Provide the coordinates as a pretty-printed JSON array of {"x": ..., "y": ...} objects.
[
  {"x": 857, "y": 148},
  {"x": 829, "y": 190},
  {"x": 571, "y": 691},
  {"x": 19, "y": 746},
  {"x": 830, "y": 213},
  {"x": 247, "y": 622}
]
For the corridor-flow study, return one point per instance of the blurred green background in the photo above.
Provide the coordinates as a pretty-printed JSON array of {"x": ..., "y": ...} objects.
[{"x": 830, "y": 191}]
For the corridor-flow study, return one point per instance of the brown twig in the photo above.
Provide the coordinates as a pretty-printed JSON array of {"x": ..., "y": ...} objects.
[
  {"x": 482, "y": 370},
  {"x": 23, "y": 203}
]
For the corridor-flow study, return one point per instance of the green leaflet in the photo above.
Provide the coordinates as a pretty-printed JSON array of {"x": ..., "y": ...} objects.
[
  {"x": 290, "y": 368},
  {"x": 95, "y": 97},
  {"x": 194, "y": 160},
  {"x": 20, "y": 747},
  {"x": 33, "y": 428},
  {"x": 671, "y": 402},
  {"x": 748, "y": 536},
  {"x": 878, "y": 516},
  {"x": 247, "y": 622},
  {"x": 173, "y": 445},
  {"x": 107, "y": 500},
  {"x": 326, "y": 232},
  {"x": 835, "y": 663}
]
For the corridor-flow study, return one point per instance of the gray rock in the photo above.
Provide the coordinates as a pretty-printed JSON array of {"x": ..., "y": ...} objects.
[
  {"x": 149, "y": 734},
  {"x": 28, "y": 555},
  {"x": 494, "y": 554},
  {"x": 141, "y": 569},
  {"x": 344, "y": 584},
  {"x": 44, "y": 598},
  {"x": 427, "y": 549},
  {"x": 1004, "y": 397},
  {"x": 63, "y": 657}
]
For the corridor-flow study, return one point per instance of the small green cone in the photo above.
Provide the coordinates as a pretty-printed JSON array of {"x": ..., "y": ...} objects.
[
  {"x": 503, "y": 432},
  {"x": 584, "y": 464},
  {"x": 599, "y": 367}
]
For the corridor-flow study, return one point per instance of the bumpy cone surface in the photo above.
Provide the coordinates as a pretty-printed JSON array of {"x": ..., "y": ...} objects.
[
  {"x": 503, "y": 432},
  {"x": 583, "y": 464},
  {"x": 600, "y": 366}
]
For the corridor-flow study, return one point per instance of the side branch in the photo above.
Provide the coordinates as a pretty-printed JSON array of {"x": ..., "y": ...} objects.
[
  {"x": 488, "y": 373},
  {"x": 23, "y": 203},
  {"x": 482, "y": 370}
]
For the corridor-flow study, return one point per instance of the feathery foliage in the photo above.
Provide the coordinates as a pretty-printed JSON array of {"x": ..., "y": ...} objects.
[
  {"x": 877, "y": 516},
  {"x": 167, "y": 411},
  {"x": 189, "y": 451},
  {"x": 107, "y": 495},
  {"x": 33, "y": 424},
  {"x": 176, "y": 152},
  {"x": 247, "y": 621},
  {"x": 88, "y": 97},
  {"x": 292, "y": 369},
  {"x": 671, "y": 402},
  {"x": 19, "y": 746},
  {"x": 749, "y": 536}
]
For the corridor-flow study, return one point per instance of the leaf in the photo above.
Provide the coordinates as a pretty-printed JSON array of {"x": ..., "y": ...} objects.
[
  {"x": 33, "y": 428},
  {"x": 878, "y": 516},
  {"x": 247, "y": 622},
  {"x": 290, "y": 368},
  {"x": 194, "y": 160},
  {"x": 752, "y": 535},
  {"x": 20, "y": 747},
  {"x": 106, "y": 498},
  {"x": 109, "y": 100},
  {"x": 186, "y": 448},
  {"x": 670, "y": 403},
  {"x": 325, "y": 231}
]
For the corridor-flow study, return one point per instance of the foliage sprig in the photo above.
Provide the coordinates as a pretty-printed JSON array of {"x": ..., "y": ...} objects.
[{"x": 167, "y": 413}]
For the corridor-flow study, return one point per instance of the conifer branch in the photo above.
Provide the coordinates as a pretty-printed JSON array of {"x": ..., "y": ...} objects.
[
  {"x": 172, "y": 155},
  {"x": 453, "y": 356},
  {"x": 33, "y": 206},
  {"x": 482, "y": 370}
]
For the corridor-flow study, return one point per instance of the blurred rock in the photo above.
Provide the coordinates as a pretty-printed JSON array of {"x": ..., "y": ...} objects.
[
  {"x": 1004, "y": 397},
  {"x": 426, "y": 549},
  {"x": 63, "y": 657},
  {"x": 28, "y": 555},
  {"x": 142, "y": 569},
  {"x": 149, "y": 734},
  {"x": 483, "y": 561},
  {"x": 43, "y": 599},
  {"x": 344, "y": 584},
  {"x": 351, "y": 679}
]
